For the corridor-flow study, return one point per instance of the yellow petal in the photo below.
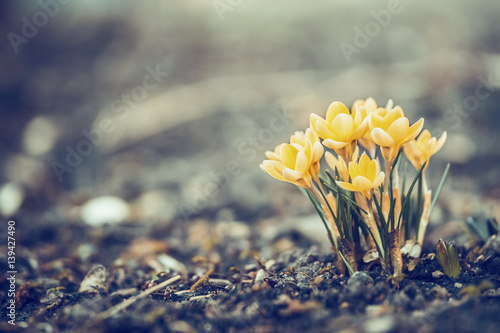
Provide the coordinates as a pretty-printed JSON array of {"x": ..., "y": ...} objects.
[
  {"x": 323, "y": 129},
  {"x": 292, "y": 175},
  {"x": 391, "y": 116},
  {"x": 332, "y": 144},
  {"x": 382, "y": 138},
  {"x": 311, "y": 135},
  {"x": 360, "y": 131},
  {"x": 270, "y": 168},
  {"x": 428, "y": 148},
  {"x": 362, "y": 183},
  {"x": 302, "y": 163},
  {"x": 374, "y": 120},
  {"x": 389, "y": 105},
  {"x": 370, "y": 104},
  {"x": 288, "y": 154},
  {"x": 347, "y": 186},
  {"x": 398, "y": 130},
  {"x": 415, "y": 129},
  {"x": 271, "y": 155},
  {"x": 371, "y": 170},
  {"x": 317, "y": 152},
  {"x": 424, "y": 136},
  {"x": 342, "y": 127},
  {"x": 355, "y": 170},
  {"x": 298, "y": 138},
  {"x": 335, "y": 109},
  {"x": 378, "y": 181},
  {"x": 440, "y": 142},
  {"x": 312, "y": 121}
]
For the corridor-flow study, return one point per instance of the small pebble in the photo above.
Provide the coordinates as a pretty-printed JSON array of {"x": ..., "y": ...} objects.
[
  {"x": 11, "y": 198},
  {"x": 379, "y": 325},
  {"x": 106, "y": 209},
  {"x": 261, "y": 275}
]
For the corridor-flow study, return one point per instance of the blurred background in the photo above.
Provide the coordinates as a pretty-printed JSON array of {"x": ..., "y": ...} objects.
[{"x": 160, "y": 112}]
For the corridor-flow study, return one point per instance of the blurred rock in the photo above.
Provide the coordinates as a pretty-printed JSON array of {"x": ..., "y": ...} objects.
[
  {"x": 40, "y": 136},
  {"x": 11, "y": 198},
  {"x": 155, "y": 205},
  {"x": 105, "y": 209},
  {"x": 232, "y": 229},
  {"x": 379, "y": 325},
  {"x": 361, "y": 285}
]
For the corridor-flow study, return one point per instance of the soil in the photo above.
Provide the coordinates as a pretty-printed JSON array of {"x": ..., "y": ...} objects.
[{"x": 297, "y": 290}]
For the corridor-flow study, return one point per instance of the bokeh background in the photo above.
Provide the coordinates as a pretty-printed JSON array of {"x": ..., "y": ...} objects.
[{"x": 182, "y": 147}]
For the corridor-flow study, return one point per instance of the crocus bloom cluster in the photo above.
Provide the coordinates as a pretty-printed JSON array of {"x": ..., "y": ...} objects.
[{"x": 356, "y": 179}]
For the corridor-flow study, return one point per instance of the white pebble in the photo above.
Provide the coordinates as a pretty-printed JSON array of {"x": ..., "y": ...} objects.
[
  {"x": 11, "y": 198},
  {"x": 105, "y": 209}
]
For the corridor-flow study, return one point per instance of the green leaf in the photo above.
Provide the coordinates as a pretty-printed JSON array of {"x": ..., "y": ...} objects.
[
  {"x": 410, "y": 190},
  {"x": 445, "y": 173}
]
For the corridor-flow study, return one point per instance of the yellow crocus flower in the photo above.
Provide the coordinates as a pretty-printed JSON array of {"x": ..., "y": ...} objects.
[
  {"x": 296, "y": 162},
  {"x": 340, "y": 164},
  {"x": 420, "y": 150},
  {"x": 365, "y": 176},
  {"x": 300, "y": 141},
  {"x": 365, "y": 108},
  {"x": 390, "y": 129},
  {"x": 340, "y": 129}
]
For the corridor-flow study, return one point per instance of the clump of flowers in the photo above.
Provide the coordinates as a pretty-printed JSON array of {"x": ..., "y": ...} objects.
[{"x": 368, "y": 210}]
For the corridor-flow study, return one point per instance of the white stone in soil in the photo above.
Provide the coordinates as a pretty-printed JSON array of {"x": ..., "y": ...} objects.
[{"x": 106, "y": 209}]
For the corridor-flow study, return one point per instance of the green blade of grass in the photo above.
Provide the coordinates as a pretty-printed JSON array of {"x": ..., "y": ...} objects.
[
  {"x": 410, "y": 190},
  {"x": 443, "y": 178}
]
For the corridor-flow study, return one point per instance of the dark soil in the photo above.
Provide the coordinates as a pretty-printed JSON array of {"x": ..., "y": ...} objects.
[{"x": 299, "y": 291}]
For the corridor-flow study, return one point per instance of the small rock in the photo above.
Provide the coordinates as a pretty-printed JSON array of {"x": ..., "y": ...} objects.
[
  {"x": 361, "y": 285},
  {"x": 182, "y": 327},
  {"x": 359, "y": 278},
  {"x": 232, "y": 229},
  {"x": 94, "y": 281},
  {"x": 11, "y": 198},
  {"x": 379, "y": 325},
  {"x": 261, "y": 275},
  {"x": 437, "y": 274},
  {"x": 105, "y": 209},
  {"x": 458, "y": 285}
]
